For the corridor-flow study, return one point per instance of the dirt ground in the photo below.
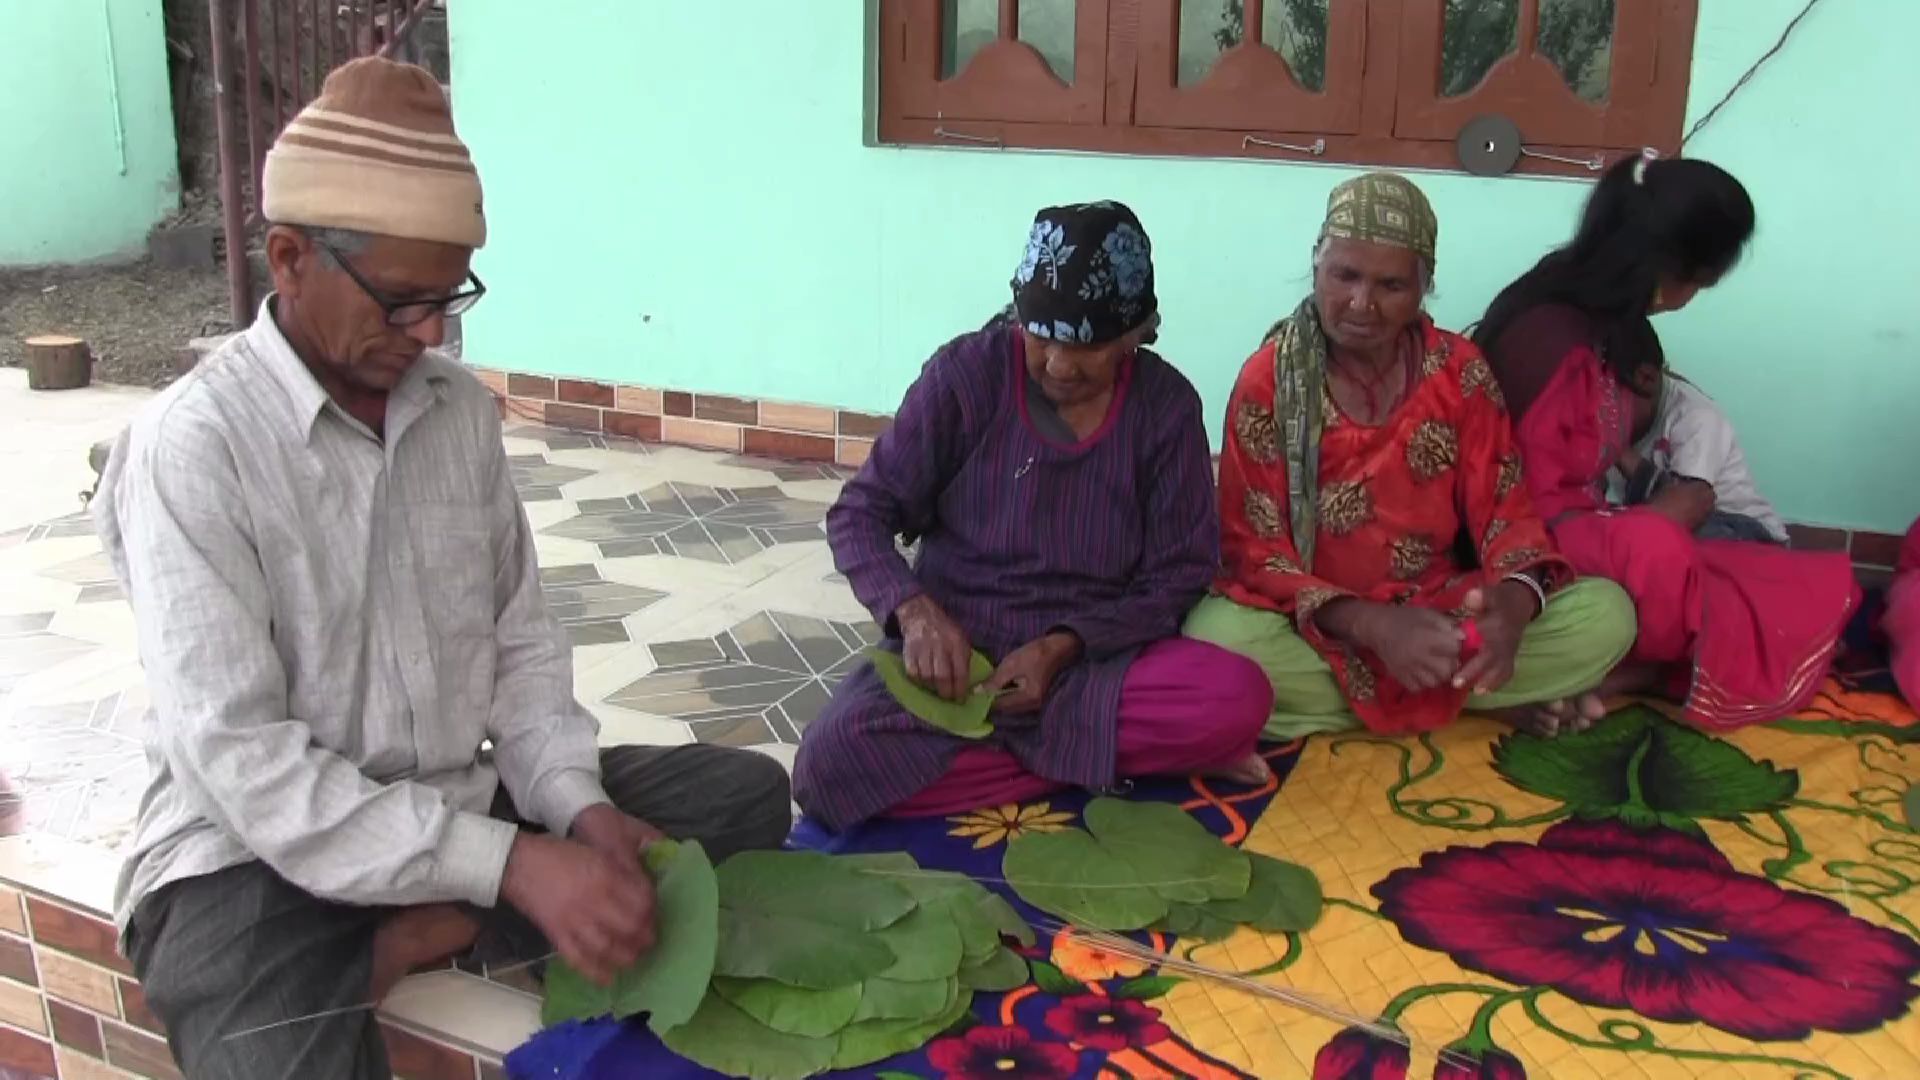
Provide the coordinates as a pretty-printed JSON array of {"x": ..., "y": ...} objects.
[{"x": 136, "y": 317}]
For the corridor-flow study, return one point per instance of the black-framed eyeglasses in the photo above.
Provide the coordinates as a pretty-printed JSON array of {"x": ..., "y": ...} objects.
[{"x": 413, "y": 312}]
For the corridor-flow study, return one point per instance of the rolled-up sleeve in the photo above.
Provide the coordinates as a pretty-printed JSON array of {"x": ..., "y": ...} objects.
[
  {"x": 545, "y": 744},
  {"x": 222, "y": 729}
]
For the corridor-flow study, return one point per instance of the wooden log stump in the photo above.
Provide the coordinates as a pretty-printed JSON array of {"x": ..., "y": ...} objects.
[{"x": 58, "y": 362}]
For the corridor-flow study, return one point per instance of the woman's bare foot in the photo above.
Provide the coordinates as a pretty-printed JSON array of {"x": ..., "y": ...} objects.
[
  {"x": 415, "y": 937},
  {"x": 1251, "y": 770},
  {"x": 1555, "y": 718}
]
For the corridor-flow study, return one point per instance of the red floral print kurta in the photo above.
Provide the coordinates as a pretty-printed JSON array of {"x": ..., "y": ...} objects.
[{"x": 1393, "y": 500}]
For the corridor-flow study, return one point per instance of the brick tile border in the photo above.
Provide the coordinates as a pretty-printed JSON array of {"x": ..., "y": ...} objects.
[
  {"x": 95, "y": 1022},
  {"x": 779, "y": 429},
  {"x": 776, "y": 429}
]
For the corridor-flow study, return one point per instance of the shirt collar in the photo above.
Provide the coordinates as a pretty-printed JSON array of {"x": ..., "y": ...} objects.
[{"x": 424, "y": 385}]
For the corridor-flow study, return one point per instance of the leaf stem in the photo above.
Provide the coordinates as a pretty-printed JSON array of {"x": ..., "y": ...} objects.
[{"x": 1641, "y": 1040}]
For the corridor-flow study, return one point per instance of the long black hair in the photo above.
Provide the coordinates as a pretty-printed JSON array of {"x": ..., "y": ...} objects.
[{"x": 1648, "y": 220}]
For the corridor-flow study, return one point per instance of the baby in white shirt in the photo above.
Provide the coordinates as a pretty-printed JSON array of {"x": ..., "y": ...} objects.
[{"x": 1680, "y": 433}]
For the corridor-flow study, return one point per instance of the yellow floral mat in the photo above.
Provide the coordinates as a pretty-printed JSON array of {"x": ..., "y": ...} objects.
[{"x": 1637, "y": 900}]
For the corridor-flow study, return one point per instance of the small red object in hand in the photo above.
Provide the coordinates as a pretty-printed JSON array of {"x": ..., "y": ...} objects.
[{"x": 1471, "y": 641}]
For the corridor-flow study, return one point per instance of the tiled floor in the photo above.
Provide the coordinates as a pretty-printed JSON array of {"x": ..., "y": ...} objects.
[{"x": 697, "y": 589}]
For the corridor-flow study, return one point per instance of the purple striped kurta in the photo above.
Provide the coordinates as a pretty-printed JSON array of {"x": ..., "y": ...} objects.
[{"x": 1114, "y": 538}]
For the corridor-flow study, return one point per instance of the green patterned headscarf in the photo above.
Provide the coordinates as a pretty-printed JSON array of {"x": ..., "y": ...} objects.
[
  {"x": 1380, "y": 208},
  {"x": 1383, "y": 208}
]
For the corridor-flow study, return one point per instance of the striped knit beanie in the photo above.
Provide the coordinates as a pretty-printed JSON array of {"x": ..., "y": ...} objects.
[{"x": 376, "y": 153}]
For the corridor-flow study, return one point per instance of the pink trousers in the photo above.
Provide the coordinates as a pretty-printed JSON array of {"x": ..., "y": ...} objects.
[
  {"x": 1185, "y": 706},
  {"x": 1901, "y": 623}
]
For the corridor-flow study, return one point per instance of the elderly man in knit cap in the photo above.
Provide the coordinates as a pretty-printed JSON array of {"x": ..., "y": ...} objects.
[{"x": 366, "y": 751}]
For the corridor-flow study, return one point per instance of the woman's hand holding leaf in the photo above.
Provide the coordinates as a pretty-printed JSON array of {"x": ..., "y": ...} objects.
[
  {"x": 1022, "y": 680},
  {"x": 937, "y": 651}
]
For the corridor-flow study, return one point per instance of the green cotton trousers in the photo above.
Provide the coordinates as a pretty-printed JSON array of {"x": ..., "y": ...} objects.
[{"x": 1586, "y": 629}]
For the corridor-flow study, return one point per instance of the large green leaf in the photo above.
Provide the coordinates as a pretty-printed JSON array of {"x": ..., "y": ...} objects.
[
  {"x": 727, "y": 1040},
  {"x": 1638, "y": 763},
  {"x": 967, "y": 719},
  {"x": 1003, "y": 971},
  {"x": 925, "y": 944},
  {"x": 805, "y": 919},
  {"x": 1281, "y": 897},
  {"x": 1168, "y": 850},
  {"x": 795, "y": 1010},
  {"x": 1007, "y": 922},
  {"x": 670, "y": 980},
  {"x": 1071, "y": 875},
  {"x": 876, "y": 1040},
  {"x": 1196, "y": 921},
  {"x": 890, "y": 999}
]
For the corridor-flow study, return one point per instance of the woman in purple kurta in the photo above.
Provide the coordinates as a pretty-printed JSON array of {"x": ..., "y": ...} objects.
[{"x": 1058, "y": 480}]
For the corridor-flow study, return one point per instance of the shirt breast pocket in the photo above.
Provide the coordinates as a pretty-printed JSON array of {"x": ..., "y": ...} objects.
[{"x": 453, "y": 548}]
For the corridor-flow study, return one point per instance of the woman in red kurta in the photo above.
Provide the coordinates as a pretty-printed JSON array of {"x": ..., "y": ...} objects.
[{"x": 1366, "y": 451}]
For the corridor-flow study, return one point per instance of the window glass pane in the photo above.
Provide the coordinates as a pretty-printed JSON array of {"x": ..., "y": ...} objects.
[
  {"x": 1296, "y": 29},
  {"x": 1576, "y": 36},
  {"x": 967, "y": 26},
  {"x": 1474, "y": 35},
  {"x": 1048, "y": 25}
]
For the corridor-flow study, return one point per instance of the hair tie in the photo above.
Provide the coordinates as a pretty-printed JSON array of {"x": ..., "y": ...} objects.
[{"x": 1647, "y": 154}]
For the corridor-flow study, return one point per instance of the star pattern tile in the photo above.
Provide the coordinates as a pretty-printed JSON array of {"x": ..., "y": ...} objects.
[
  {"x": 589, "y": 606},
  {"x": 539, "y": 480},
  {"x": 761, "y": 681},
  {"x": 559, "y": 439},
  {"x": 80, "y": 768},
  {"x": 27, "y": 646},
  {"x": 62, "y": 528},
  {"x": 93, "y": 573},
  {"x": 692, "y": 521},
  {"x": 790, "y": 471}
]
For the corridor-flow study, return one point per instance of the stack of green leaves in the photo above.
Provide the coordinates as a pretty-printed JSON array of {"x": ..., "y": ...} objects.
[
  {"x": 785, "y": 964},
  {"x": 1151, "y": 866}
]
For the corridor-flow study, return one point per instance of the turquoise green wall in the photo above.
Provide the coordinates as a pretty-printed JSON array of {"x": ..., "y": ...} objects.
[
  {"x": 677, "y": 202},
  {"x": 75, "y": 185}
]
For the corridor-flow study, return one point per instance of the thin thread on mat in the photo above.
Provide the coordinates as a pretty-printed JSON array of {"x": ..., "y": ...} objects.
[
  {"x": 348, "y": 1010},
  {"x": 987, "y": 879},
  {"x": 1119, "y": 945}
]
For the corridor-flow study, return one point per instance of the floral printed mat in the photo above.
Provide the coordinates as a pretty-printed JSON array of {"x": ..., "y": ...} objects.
[{"x": 1636, "y": 901}]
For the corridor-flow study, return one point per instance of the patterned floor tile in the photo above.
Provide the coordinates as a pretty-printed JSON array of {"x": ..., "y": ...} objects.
[
  {"x": 93, "y": 573},
  {"x": 591, "y": 607},
  {"x": 539, "y": 480},
  {"x": 790, "y": 471},
  {"x": 63, "y": 527},
  {"x": 80, "y": 767},
  {"x": 693, "y": 521},
  {"x": 761, "y": 681},
  {"x": 32, "y": 648},
  {"x": 557, "y": 439}
]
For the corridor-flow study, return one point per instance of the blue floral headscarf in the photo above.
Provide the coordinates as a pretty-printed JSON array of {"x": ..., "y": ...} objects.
[{"x": 1087, "y": 276}]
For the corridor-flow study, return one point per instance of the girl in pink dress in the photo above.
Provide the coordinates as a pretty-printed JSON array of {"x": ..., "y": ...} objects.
[{"x": 1742, "y": 632}]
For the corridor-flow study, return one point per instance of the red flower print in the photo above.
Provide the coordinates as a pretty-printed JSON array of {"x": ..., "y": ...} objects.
[
  {"x": 1107, "y": 1023},
  {"x": 1000, "y": 1053},
  {"x": 1495, "y": 1064},
  {"x": 1657, "y": 922},
  {"x": 1358, "y": 1055}
]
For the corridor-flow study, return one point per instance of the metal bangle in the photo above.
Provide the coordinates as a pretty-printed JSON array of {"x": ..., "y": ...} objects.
[{"x": 1539, "y": 593}]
